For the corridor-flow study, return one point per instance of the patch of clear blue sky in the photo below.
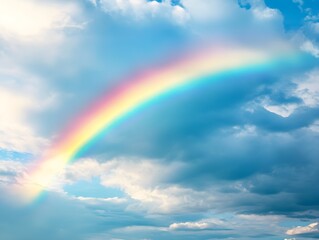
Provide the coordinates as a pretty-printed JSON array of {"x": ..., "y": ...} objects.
[
  {"x": 92, "y": 188},
  {"x": 15, "y": 156},
  {"x": 294, "y": 13}
]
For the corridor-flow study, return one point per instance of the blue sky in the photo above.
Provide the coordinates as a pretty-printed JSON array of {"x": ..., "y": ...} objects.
[{"x": 236, "y": 159}]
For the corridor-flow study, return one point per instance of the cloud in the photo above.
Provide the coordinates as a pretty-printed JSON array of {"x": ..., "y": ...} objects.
[
  {"x": 97, "y": 201},
  {"x": 68, "y": 84},
  {"x": 205, "y": 19},
  {"x": 223, "y": 19},
  {"x": 282, "y": 110},
  {"x": 16, "y": 133},
  {"x": 312, "y": 230},
  {"x": 300, "y": 92},
  {"x": 9, "y": 170},
  {"x": 88, "y": 216},
  {"x": 207, "y": 181},
  {"x": 23, "y": 89},
  {"x": 144, "y": 181},
  {"x": 308, "y": 88},
  {"x": 310, "y": 47},
  {"x": 65, "y": 217},
  {"x": 15, "y": 20},
  {"x": 262, "y": 12},
  {"x": 200, "y": 225},
  {"x": 314, "y": 127},
  {"x": 210, "y": 10},
  {"x": 145, "y": 10}
]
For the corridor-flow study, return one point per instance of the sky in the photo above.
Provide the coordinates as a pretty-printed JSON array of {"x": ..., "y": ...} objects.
[{"x": 233, "y": 157}]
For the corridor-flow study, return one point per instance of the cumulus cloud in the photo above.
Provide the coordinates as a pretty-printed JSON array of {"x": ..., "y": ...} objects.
[
  {"x": 308, "y": 88},
  {"x": 226, "y": 19},
  {"x": 210, "y": 10},
  {"x": 262, "y": 12},
  {"x": 16, "y": 133},
  {"x": 310, "y": 47},
  {"x": 143, "y": 10},
  {"x": 24, "y": 40},
  {"x": 24, "y": 90},
  {"x": 213, "y": 18},
  {"x": 15, "y": 18},
  {"x": 144, "y": 181}
]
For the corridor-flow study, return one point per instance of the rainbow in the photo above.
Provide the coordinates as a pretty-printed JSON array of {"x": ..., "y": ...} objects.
[{"x": 140, "y": 90}]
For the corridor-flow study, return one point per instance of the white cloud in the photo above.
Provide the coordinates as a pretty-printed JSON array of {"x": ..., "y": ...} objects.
[
  {"x": 199, "y": 225},
  {"x": 21, "y": 94},
  {"x": 227, "y": 22},
  {"x": 314, "y": 127},
  {"x": 265, "y": 13},
  {"x": 11, "y": 190},
  {"x": 120, "y": 171},
  {"x": 244, "y": 131},
  {"x": 211, "y": 10},
  {"x": 16, "y": 133},
  {"x": 30, "y": 30},
  {"x": 94, "y": 2},
  {"x": 144, "y": 182},
  {"x": 83, "y": 170},
  {"x": 308, "y": 88},
  {"x": 284, "y": 110},
  {"x": 9, "y": 170},
  {"x": 131, "y": 229},
  {"x": 170, "y": 199},
  {"x": 262, "y": 12},
  {"x": 260, "y": 218},
  {"x": 314, "y": 27},
  {"x": 311, "y": 228},
  {"x": 311, "y": 48},
  {"x": 219, "y": 10},
  {"x": 141, "y": 9},
  {"x": 95, "y": 201},
  {"x": 250, "y": 225},
  {"x": 31, "y": 18}
]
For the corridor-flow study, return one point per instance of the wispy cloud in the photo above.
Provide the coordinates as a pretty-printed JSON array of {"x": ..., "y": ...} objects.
[{"x": 311, "y": 230}]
